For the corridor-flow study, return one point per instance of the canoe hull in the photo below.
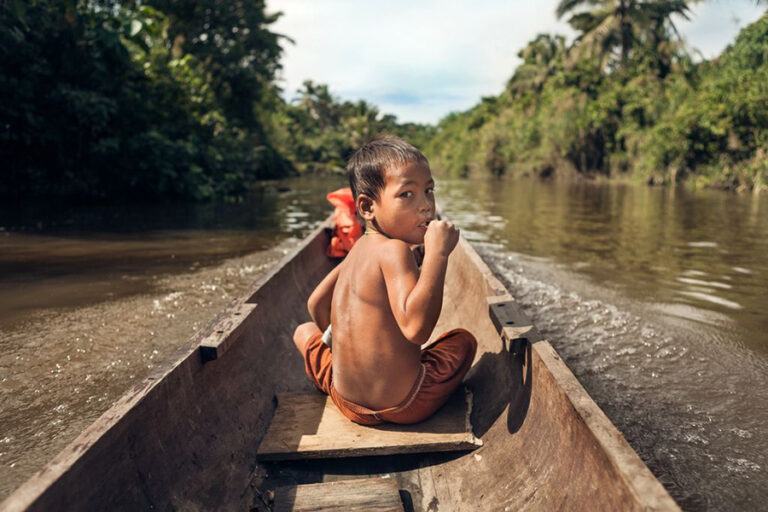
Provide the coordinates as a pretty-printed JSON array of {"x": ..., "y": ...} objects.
[{"x": 186, "y": 437}]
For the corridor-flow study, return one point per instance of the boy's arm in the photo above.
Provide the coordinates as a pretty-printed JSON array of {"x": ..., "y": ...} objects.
[
  {"x": 319, "y": 303},
  {"x": 416, "y": 300}
]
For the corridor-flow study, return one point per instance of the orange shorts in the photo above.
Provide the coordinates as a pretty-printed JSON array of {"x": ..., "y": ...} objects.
[{"x": 443, "y": 365}]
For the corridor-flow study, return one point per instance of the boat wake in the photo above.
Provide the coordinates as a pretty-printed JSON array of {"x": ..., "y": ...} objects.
[{"x": 690, "y": 402}]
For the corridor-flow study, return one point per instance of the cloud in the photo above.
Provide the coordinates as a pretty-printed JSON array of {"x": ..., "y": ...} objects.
[
  {"x": 422, "y": 60},
  {"x": 713, "y": 25}
]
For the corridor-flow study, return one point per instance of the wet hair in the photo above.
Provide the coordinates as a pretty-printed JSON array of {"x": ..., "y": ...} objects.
[{"x": 367, "y": 165}]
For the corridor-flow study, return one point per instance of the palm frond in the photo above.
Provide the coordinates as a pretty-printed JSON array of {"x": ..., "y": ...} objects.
[{"x": 566, "y": 6}]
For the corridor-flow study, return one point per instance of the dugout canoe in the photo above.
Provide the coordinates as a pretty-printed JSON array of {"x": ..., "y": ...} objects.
[{"x": 186, "y": 437}]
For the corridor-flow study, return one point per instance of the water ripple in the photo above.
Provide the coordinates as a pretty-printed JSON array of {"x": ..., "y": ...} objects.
[{"x": 655, "y": 382}]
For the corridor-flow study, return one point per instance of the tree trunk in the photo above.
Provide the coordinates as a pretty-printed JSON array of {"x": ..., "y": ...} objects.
[{"x": 626, "y": 30}]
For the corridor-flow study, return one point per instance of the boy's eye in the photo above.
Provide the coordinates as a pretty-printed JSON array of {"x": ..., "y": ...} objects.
[
  {"x": 407, "y": 193},
  {"x": 430, "y": 191}
]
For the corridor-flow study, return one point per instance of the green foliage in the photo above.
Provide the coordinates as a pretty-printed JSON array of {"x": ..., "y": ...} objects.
[
  {"x": 724, "y": 122},
  {"x": 147, "y": 99},
  {"x": 238, "y": 58},
  {"x": 142, "y": 99},
  {"x": 659, "y": 118},
  {"x": 318, "y": 131},
  {"x": 542, "y": 58},
  {"x": 612, "y": 32},
  {"x": 95, "y": 104}
]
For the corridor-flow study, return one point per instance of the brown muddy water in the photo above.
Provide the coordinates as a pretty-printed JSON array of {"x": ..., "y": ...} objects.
[
  {"x": 655, "y": 298},
  {"x": 92, "y": 299}
]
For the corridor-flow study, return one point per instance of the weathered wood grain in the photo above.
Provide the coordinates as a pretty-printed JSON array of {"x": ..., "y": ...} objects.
[
  {"x": 359, "y": 495},
  {"x": 308, "y": 425},
  {"x": 186, "y": 438},
  {"x": 226, "y": 332},
  {"x": 514, "y": 327}
]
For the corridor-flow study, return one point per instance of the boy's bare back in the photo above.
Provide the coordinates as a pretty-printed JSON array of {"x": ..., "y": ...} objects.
[
  {"x": 381, "y": 306},
  {"x": 374, "y": 364}
]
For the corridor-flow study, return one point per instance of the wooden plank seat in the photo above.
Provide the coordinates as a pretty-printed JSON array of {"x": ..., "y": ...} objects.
[
  {"x": 380, "y": 494},
  {"x": 308, "y": 425}
]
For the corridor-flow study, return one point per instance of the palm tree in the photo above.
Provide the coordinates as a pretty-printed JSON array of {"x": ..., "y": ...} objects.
[
  {"x": 661, "y": 36},
  {"x": 319, "y": 104},
  {"x": 541, "y": 58},
  {"x": 608, "y": 24}
]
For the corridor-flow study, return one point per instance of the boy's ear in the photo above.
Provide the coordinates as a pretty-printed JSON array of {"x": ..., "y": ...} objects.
[{"x": 365, "y": 207}]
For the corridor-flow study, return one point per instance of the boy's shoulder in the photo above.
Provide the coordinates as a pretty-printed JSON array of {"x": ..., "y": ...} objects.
[
  {"x": 394, "y": 247},
  {"x": 385, "y": 250},
  {"x": 396, "y": 255}
]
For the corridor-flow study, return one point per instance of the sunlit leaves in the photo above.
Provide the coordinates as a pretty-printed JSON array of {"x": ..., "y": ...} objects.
[
  {"x": 663, "y": 118},
  {"x": 611, "y": 32}
]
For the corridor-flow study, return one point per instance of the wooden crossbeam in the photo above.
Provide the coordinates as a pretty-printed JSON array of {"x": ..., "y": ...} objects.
[
  {"x": 358, "y": 495},
  {"x": 308, "y": 425}
]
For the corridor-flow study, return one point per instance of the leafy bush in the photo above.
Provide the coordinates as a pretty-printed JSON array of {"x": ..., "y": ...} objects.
[{"x": 654, "y": 115}]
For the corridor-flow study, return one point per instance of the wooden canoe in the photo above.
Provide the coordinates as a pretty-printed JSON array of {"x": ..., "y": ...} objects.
[{"x": 186, "y": 437}]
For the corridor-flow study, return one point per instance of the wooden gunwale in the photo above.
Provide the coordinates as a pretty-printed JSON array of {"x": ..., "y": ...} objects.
[{"x": 186, "y": 436}]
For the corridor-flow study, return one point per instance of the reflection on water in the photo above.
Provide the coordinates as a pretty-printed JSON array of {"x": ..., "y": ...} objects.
[
  {"x": 655, "y": 299},
  {"x": 704, "y": 249},
  {"x": 52, "y": 255}
]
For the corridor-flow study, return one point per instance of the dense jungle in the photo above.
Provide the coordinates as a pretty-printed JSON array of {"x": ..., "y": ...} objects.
[{"x": 149, "y": 99}]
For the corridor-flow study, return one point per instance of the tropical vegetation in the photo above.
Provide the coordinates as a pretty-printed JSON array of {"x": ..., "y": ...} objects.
[
  {"x": 319, "y": 131},
  {"x": 117, "y": 99},
  {"x": 624, "y": 100},
  {"x": 150, "y": 99}
]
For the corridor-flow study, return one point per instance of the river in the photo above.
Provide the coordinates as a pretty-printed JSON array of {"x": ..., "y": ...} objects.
[{"x": 654, "y": 298}]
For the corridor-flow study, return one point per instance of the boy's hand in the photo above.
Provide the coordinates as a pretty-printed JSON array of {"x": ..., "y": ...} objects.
[{"x": 441, "y": 237}]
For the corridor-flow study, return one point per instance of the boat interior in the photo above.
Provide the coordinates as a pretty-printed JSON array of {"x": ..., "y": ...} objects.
[{"x": 187, "y": 438}]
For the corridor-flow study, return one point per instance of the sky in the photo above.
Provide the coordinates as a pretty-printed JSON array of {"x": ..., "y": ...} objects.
[{"x": 422, "y": 59}]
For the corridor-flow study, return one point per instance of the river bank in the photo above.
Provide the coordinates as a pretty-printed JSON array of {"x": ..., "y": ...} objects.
[
  {"x": 703, "y": 123},
  {"x": 745, "y": 179}
]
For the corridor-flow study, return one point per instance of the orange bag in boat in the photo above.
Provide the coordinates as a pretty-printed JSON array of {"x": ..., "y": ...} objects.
[{"x": 347, "y": 230}]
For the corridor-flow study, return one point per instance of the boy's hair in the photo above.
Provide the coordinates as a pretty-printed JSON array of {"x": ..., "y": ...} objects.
[{"x": 366, "y": 166}]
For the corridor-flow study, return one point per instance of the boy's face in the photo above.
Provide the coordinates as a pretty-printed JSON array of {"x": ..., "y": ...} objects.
[{"x": 406, "y": 204}]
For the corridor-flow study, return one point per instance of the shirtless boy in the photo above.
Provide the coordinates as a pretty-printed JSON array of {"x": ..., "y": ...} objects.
[{"x": 381, "y": 307}]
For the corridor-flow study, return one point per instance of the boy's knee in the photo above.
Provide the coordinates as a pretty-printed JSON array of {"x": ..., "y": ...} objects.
[
  {"x": 470, "y": 342},
  {"x": 303, "y": 334}
]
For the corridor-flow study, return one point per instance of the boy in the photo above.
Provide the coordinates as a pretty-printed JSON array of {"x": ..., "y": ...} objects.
[{"x": 381, "y": 307}]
